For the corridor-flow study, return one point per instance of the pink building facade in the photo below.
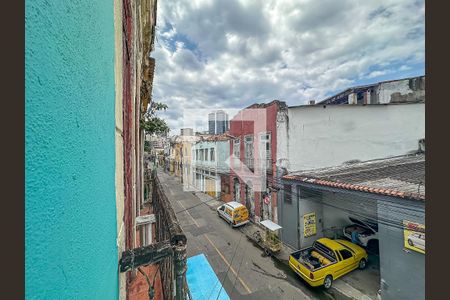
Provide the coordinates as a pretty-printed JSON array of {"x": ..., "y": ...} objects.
[{"x": 253, "y": 155}]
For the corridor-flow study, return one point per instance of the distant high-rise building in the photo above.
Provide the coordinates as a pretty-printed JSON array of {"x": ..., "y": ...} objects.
[
  {"x": 218, "y": 122},
  {"x": 187, "y": 131}
]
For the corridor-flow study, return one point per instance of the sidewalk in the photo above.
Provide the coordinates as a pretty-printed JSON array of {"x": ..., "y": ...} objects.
[{"x": 340, "y": 286}]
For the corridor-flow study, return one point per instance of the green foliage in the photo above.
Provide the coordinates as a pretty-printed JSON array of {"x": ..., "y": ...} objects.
[
  {"x": 151, "y": 123},
  {"x": 147, "y": 146}
]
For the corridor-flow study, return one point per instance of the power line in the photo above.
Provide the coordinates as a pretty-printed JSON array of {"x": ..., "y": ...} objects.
[
  {"x": 364, "y": 195},
  {"x": 228, "y": 269},
  {"x": 198, "y": 204},
  {"x": 237, "y": 273},
  {"x": 384, "y": 221}
]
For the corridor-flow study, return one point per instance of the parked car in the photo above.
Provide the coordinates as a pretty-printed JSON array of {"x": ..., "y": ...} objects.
[
  {"x": 327, "y": 260},
  {"x": 367, "y": 231},
  {"x": 234, "y": 213},
  {"x": 417, "y": 240}
]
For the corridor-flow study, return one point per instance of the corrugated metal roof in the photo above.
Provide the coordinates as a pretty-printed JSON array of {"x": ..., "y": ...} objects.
[{"x": 402, "y": 177}]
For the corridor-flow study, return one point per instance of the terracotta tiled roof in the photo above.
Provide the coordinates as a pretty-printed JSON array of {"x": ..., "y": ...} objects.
[
  {"x": 218, "y": 137},
  {"x": 402, "y": 177}
]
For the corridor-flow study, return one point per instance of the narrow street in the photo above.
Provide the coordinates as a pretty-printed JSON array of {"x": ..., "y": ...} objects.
[{"x": 244, "y": 271}]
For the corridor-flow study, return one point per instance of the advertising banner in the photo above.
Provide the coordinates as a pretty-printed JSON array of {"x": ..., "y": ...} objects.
[
  {"x": 414, "y": 236},
  {"x": 310, "y": 224}
]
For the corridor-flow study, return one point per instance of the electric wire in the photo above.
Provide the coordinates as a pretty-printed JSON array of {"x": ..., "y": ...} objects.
[
  {"x": 382, "y": 203},
  {"x": 388, "y": 222},
  {"x": 237, "y": 273},
  {"x": 228, "y": 269},
  {"x": 378, "y": 219},
  {"x": 391, "y": 208}
]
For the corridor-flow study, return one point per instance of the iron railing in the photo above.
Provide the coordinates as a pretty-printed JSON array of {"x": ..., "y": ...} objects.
[
  {"x": 172, "y": 268},
  {"x": 169, "y": 249}
]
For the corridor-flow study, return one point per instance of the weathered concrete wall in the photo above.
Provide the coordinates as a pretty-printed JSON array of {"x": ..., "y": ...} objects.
[
  {"x": 408, "y": 90},
  {"x": 70, "y": 201},
  {"x": 310, "y": 203},
  {"x": 291, "y": 216},
  {"x": 288, "y": 216},
  {"x": 321, "y": 137},
  {"x": 402, "y": 271}
]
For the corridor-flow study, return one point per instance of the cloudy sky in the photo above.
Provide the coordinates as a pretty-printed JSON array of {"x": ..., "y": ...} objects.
[{"x": 232, "y": 53}]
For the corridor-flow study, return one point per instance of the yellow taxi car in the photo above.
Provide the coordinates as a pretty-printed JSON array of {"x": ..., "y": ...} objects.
[
  {"x": 327, "y": 260},
  {"x": 233, "y": 212}
]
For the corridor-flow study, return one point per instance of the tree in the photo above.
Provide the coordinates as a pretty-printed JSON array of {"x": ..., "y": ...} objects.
[{"x": 151, "y": 123}]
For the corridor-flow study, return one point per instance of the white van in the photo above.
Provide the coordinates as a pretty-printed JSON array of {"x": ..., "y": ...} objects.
[{"x": 234, "y": 213}]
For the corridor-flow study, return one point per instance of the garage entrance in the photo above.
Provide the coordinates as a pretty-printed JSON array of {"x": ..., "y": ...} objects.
[
  {"x": 336, "y": 215},
  {"x": 380, "y": 200}
]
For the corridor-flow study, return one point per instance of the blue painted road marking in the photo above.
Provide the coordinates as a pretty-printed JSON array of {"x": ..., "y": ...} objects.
[{"x": 203, "y": 282}]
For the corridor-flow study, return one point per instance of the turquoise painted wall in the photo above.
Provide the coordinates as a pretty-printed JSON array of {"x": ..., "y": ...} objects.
[{"x": 70, "y": 210}]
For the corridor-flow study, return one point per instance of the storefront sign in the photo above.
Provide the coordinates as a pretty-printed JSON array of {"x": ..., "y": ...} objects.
[
  {"x": 414, "y": 236},
  {"x": 310, "y": 224}
]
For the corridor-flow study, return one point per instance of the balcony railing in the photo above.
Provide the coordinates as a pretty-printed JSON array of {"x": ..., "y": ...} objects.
[
  {"x": 169, "y": 249},
  {"x": 249, "y": 163},
  {"x": 168, "y": 228},
  {"x": 253, "y": 163}
]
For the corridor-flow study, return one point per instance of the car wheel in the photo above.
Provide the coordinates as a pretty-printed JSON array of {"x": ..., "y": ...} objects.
[
  {"x": 362, "y": 264},
  {"x": 328, "y": 282},
  {"x": 410, "y": 243}
]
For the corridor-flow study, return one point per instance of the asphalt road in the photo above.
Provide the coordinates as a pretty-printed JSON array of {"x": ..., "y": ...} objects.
[{"x": 244, "y": 271}]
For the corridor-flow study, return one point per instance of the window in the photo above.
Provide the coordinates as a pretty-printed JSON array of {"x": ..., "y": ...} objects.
[
  {"x": 196, "y": 155},
  {"x": 265, "y": 150},
  {"x": 206, "y": 155},
  {"x": 287, "y": 193},
  {"x": 228, "y": 211},
  {"x": 146, "y": 234},
  {"x": 144, "y": 224},
  {"x": 345, "y": 254},
  {"x": 236, "y": 148},
  {"x": 248, "y": 148},
  {"x": 201, "y": 155},
  {"x": 211, "y": 152}
]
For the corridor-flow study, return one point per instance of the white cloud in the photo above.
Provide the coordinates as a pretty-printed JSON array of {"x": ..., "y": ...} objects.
[{"x": 231, "y": 53}]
